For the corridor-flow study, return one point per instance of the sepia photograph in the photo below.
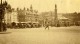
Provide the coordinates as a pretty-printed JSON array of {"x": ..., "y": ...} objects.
[{"x": 39, "y": 21}]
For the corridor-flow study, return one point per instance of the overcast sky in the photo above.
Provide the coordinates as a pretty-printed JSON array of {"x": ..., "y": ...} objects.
[{"x": 64, "y": 6}]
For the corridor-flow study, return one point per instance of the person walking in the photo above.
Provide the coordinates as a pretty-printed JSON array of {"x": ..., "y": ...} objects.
[{"x": 47, "y": 25}]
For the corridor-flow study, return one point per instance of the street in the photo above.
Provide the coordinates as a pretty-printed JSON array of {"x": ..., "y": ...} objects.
[{"x": 55, "y": 35}]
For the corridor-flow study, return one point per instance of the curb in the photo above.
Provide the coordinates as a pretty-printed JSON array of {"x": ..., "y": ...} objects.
[{"x": 5, "y": 32}]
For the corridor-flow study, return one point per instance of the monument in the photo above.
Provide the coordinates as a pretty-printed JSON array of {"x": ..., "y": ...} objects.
[{"x": 56, "y": 23}]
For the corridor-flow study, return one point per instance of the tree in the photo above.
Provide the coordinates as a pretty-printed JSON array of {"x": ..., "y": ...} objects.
[
  {"x": 2, "y": 12},
  {"x": 3, "y": 6}
]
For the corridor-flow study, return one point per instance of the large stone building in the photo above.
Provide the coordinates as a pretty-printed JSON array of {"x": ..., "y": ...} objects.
[
  {"x": 28, "y": 15},
  {"x": 11, "y": 17},
  {"x": 21, "y": 15}
]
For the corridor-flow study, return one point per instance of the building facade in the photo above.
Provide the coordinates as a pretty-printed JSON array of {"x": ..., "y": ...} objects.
[
  {"x": 21, "y": 15},
  {"x": 11, "y": 17},
  {"x": 28, "y": 15}
]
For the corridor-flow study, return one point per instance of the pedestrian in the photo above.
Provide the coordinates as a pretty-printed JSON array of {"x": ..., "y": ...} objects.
[{"x": 47, "y": 25}]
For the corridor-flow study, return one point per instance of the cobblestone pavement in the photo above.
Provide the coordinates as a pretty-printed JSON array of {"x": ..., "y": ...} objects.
[{"x": 60, "y": 35}]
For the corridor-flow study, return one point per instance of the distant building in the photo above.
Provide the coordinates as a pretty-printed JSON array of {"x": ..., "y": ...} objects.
[
  {"x": 47, "y": 16},
  {"x": 50, "y": 18}
]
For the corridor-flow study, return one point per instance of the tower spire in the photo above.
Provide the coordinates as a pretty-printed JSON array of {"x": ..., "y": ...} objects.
[{"x": 31, "y": 8}]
